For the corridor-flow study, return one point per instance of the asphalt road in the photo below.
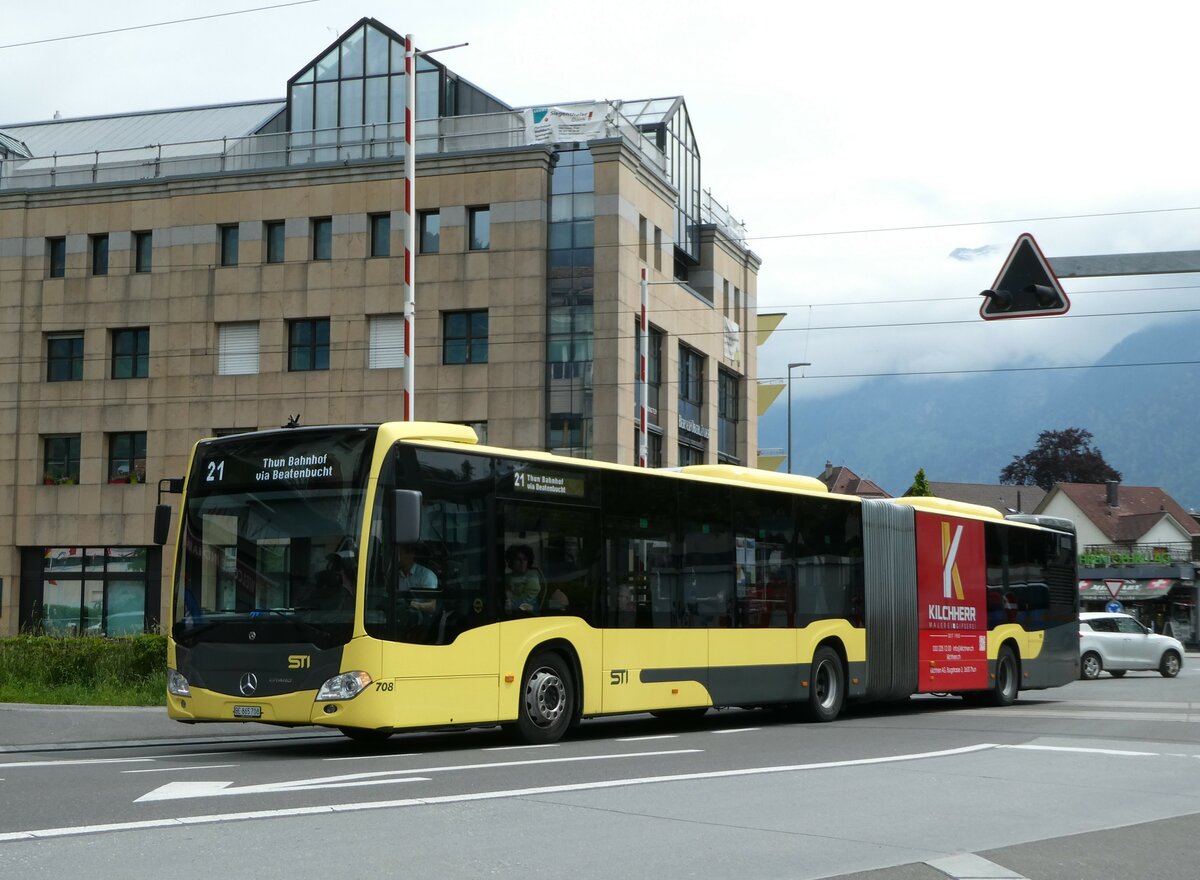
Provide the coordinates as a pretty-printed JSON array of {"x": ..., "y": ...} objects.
[{"x": 1093, "y": 780}]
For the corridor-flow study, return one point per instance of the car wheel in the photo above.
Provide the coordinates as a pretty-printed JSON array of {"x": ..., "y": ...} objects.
[
  {"x": 1117, "y": 673},
  {"x": 1170, "y": 665},
  {"x": 1090, "y": 666}
]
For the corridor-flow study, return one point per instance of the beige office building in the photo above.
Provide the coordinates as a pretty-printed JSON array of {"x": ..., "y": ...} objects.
[{"x": 247, "y": 269}]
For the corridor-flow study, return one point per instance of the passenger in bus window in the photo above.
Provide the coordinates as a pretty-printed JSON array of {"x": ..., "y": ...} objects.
[
  {"x": 417, "y": 580},
  {"x": 524, "y": 586}
]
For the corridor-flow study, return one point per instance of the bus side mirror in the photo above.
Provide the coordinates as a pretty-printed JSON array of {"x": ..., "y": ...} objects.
[
  {"x": 162, "y": 523},
  {"x": 406, "y": 515}
]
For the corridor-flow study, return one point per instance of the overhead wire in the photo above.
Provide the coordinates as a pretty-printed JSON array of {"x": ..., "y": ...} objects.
[{"x": 156, "y": 24}]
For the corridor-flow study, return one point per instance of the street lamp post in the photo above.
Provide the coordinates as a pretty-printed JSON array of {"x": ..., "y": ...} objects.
[
  {"x": 789, "y": 411},
  {"x": 410, "y": 213}
]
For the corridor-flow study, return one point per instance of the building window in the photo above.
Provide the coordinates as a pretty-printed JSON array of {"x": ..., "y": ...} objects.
[
  {"x": 479, "y": 223},
  {"x": 642, "y": 238},
  {"x": 322, "y": 238},
  {"x": 96, "y": 590},
  {"x": 653, "y": 368},
  {"x": 308, "y": 345},
  {"x": 60, "y": 459},
  {"x": 386, "y": 342},
  {"x": 143, "y": 251},
  {"x": 273, "y": 233},
  {"x": 131, "y": 353},
  {"x": 653, "y": 448},
  {"x": 99, "y": 245},
  {"x": 237, "y": 349},
  {"x": 465, "y": 337},
  {"x": 64, "y": 358},
  {"x": 566, "y": 431},
  {"x": 381, "y": 235},
  {"x": 429, "y": 230},
  {"x": 691, "y": 384},
  {"x": 229, "y": 240},
  {"x": 127, "y": 457},
  {"x": 657, "y": 249},
  {"x": 727, "y": 415},
  {"x": 56, "y": 254},
  {"x": 690, "y": 455}
]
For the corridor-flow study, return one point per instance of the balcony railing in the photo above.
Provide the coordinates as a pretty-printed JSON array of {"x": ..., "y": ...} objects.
[
  {"x": 1109, "y": 555},
  {"x": 335, "y": 146}
]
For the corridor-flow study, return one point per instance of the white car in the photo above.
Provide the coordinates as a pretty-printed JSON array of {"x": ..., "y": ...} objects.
[{"x": 1117, "y": 643}]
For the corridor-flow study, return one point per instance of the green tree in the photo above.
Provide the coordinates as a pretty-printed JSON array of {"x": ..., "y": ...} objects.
[
  {"x": 1065, "y": 456},
  {"x": 920, "y": 486}
]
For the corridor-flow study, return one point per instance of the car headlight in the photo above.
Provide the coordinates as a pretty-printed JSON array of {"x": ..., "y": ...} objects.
[
  {"x": 346, "y": 686},
  {"x": 177, "y": 685}
]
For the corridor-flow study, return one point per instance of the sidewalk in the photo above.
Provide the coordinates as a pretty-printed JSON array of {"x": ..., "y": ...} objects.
[{"x": 26, "y": 727}]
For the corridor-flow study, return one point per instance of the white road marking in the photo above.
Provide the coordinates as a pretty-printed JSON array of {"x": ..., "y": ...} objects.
[
  {"x": 1009, "y": 711},
  {"x": 179, "y": 790},
  {"x": 1086, "y": 751},
  {"x": 521, "y": 748},
  {"x": 187, "y": 768},
  {"x": 76, "y": 762},
  {"x": 738, "y": 730},
  {"x": 183, "y": 821},
  {"x": 638, "y": 739},
  {"x": 372, "y": 757},
  {"x": 968, "y": 866}
]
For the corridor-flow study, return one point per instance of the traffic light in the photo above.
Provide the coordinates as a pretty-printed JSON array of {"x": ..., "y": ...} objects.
[{"x": 1026, "y": 286}]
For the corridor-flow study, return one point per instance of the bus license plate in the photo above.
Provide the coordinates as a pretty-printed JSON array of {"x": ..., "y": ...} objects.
[{"x": 247, "y": 711}]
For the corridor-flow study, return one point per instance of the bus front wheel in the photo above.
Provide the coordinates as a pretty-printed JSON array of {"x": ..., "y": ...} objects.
[
  {"x": 826, "y": 686},
  {"x": 547, "y": 700}
]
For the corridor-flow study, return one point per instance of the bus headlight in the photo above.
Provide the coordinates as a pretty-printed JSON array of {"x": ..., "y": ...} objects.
[
  {"x": 346, "y": 686},
  {"x": 177, "y": 685}
]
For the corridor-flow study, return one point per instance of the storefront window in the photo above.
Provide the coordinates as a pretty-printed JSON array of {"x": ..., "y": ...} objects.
[{"x": 94, "y": 591}]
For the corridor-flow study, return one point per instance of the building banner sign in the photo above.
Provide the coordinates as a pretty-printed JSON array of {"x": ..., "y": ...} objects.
[
  {"x": 552, "y": 125},
  {"x": 951, "y": 604},
  {"x": 732, "y": 341}
]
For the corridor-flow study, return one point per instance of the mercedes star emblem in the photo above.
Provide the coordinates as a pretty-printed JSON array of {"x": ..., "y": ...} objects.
[{"x": 248, "y": 684}]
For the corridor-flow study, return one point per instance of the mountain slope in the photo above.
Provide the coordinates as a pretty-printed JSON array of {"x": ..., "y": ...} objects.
[{"x": 1145, "y": 420}]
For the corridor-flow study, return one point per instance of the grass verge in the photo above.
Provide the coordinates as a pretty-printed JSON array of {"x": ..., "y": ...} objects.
[{"x": 84, "y": 671}]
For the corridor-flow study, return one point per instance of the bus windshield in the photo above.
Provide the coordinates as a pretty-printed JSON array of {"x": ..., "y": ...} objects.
[{"x": 269, "y": 538}]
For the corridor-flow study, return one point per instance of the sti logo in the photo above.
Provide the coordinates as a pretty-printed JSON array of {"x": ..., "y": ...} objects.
[
  {"x": 299, "y": 661},
  {"x": 950, "y": 575}
]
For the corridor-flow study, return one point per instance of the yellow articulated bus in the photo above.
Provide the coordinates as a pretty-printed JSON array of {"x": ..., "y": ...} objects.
[{"x": 377, "y": 578}]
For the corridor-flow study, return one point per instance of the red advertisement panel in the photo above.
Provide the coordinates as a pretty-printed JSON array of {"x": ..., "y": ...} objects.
[{"x": 952, "y": 604}]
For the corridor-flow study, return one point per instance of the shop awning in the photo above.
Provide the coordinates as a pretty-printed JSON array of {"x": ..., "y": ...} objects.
[{"x": 1126, "y": 588}]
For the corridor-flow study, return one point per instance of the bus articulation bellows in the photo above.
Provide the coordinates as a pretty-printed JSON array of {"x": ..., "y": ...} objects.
[{"x": 364, "y": 578}]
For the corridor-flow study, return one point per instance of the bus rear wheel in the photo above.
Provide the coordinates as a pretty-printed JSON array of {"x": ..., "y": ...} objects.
[
  {"x": 1008, "y": 679},
  {"x": 547, "y": 700},
  {"x": 826, "y": 686}
]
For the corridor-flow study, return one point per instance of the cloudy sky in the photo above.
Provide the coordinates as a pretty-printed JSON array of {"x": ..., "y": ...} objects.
[{"x": 883, "y": 156}]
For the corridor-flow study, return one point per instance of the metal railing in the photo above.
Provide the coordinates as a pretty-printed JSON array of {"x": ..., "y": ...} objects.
[
  {"x": 360, "y": 143},
  {"x": 1108, "y": 555}
]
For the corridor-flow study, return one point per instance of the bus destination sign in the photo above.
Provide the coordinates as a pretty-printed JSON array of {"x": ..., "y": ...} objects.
[
  {"x": 532, "y": 481},
  {"x": 272, "y": 461}
]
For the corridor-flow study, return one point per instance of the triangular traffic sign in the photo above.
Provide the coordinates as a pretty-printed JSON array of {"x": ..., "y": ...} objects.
[{"x": 1026, "y": 286}]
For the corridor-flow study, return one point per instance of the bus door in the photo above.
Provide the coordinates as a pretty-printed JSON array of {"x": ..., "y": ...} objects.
[
  {"x": 432, "y": 602},
  {"x": 655, "y": 653}
]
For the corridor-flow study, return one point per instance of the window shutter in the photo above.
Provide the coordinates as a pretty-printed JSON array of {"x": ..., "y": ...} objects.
[
  {"x": 238, "y": 350},
  {"x": 387, "y": 342}
]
